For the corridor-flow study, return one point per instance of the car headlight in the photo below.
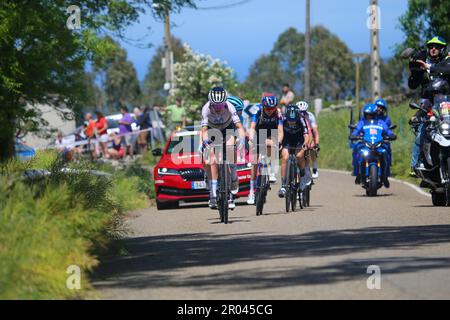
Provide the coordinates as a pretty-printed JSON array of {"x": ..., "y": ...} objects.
[
  {"x": 168, "y": 172},
  {"x": 445, "y": 126}
]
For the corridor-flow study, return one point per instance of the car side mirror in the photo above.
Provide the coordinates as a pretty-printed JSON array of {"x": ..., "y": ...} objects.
[{"x": 157, "y": 152}]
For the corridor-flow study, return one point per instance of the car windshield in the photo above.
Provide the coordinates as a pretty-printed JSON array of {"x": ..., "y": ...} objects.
[
  {"x": 184, "y": 144},
  {"x": 113, "y": 124}
]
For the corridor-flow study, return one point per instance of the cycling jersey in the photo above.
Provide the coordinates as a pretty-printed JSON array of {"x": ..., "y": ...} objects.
[
  {"x": 219, "y": 120},
  {"x": 294, "y": 136},
  {"x": 264, "y": 121},
  {"x": 312, "y": 120}
]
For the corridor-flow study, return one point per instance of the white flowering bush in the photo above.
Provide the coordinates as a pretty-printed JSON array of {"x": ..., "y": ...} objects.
[{"x": 196, "y": 76}]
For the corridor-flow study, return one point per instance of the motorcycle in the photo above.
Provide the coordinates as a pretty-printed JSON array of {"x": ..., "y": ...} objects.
[
  {"x": 373, "y": 158},
  {"x": 435, "y": 151}
]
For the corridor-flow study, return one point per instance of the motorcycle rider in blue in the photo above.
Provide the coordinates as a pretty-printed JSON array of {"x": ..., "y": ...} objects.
[
  {"x": 382, "y": 108},
  {"x": 370, "y": 119}
]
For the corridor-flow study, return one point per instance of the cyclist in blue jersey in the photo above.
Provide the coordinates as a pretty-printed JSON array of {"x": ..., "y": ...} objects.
[{"x": 268, "y": 118}]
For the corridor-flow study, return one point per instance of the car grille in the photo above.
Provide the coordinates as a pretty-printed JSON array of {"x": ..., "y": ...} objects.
[{"x": 192, "y": 174}]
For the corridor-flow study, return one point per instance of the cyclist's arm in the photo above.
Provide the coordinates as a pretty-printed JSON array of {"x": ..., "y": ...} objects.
[
  {"x": 280, "y": 133},
  {"x": 205, "y": 115},
  {"x": 316, "y": 135},
  {"x": 241, "y": 130},
  {"x": 204, "y": 136},
  {"x": 252, "y": 131}
]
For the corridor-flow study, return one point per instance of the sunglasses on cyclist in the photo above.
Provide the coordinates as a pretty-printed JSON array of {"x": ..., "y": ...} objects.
[{"x": 435, "y": 46}]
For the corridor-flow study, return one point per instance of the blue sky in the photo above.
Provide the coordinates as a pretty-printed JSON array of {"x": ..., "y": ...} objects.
[{"x": 241, "y": 34}]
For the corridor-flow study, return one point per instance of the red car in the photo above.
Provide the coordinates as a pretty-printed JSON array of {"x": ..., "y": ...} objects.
[{"x": 180, "y": 175}]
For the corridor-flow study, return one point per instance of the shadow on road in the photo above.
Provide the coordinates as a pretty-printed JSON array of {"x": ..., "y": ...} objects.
[{"x": 153, "y": 260}]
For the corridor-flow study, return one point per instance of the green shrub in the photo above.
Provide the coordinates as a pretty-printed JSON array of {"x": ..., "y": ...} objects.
[{"x": 65, "y": 218}]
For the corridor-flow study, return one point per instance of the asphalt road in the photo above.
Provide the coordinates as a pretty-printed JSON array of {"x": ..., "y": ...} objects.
[{"x": 319, "y": 253}]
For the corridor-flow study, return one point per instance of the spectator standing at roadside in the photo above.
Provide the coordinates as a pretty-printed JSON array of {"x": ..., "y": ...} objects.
[
  {"x": 101, "y": 127},
  {"x": 177, "y": 117},
  {"x": 144, "y": 123},
  {"x": 89, "y": 132},
  {"x": 125, "y": 130},
  {"x": 287, "y": 97}
]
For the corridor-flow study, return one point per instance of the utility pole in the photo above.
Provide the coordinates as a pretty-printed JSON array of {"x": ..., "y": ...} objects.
[
  {"x": 168, "y": 46},
  {"x": 358, "y": 57},
  {"x": 307, "y": 51},
  {"x": 374, "y": 26}
]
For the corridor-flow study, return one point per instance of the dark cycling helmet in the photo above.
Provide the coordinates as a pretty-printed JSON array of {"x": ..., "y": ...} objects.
[
  {"x": 382, "y": 103},
  {"x": 441, "y": 43},
  {"x": 292, "y": 113},
  {"x": 217, "y": 95},
  {"x": 270, "y": 102},
  {"x": 370, "y": 110}
]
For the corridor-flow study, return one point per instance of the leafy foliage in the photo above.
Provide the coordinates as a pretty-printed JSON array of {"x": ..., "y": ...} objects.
[
  {"x": 423, "y": 20},
  {"x": 43, "y": 61},
  {"x": 153, "y": 86},
  {"x": 65, "y": 218},
  {"x": 121, "y": 84},
  {"x": 196, "y": 75},
  {"x": 332, "y": 68}
]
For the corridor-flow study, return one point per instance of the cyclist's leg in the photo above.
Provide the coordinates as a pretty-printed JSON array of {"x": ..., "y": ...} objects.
[{"x": 284, "y": 162}]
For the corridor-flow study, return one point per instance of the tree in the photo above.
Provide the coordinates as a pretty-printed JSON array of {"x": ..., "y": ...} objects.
[
  {"x": 423, "y": 20},
  {"x": 153, "y": 86},
  {"x": 121, "y": 84},
  {"x": 42, "y": 61},
  {"x": 265, "y": 75},
  {"x": 332, "y": 68},
  {"x": 196, "y": 76}
]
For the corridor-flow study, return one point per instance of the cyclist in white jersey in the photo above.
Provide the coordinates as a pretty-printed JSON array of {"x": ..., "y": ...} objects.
[
  {"x": 219, "y": 121},
  {"x": 314, "y": 132}
]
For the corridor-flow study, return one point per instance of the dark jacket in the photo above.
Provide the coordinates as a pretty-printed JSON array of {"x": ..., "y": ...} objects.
[{"x": 439, "y": 68}]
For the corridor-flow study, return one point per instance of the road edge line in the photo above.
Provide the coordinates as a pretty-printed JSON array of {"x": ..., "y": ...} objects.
[{"x": 415, "y": 188}]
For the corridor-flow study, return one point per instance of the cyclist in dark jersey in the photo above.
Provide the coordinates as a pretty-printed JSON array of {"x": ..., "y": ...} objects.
[
  {"x": 268, "y": 118},
  {"x": 295, "y": 136}
]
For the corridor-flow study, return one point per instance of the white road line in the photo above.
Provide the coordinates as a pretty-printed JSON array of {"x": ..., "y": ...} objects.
[{"x": 415, "y": 188}]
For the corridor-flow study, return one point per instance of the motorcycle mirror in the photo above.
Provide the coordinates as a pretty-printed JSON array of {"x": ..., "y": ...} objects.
[
  {"x": 393, "y": 127},
  {"x": 414, "y": 106},
  {"x": 407, "y": 53},
  {"x": 352, "y": 126}
]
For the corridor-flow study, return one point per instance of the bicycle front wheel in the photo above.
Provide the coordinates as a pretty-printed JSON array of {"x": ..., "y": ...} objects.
[{"x": 260, "y": 195}]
